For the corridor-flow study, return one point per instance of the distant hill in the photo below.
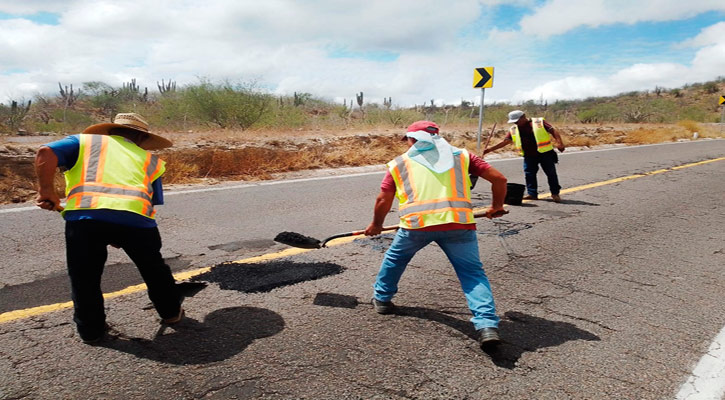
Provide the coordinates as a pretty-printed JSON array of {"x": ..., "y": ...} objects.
[{"x": 696, "y": 102}]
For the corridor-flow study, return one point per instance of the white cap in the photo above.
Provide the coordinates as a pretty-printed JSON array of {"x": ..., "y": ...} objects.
[{"x": 515, "y": 115}]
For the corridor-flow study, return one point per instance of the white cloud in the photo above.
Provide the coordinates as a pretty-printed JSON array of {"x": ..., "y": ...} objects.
[
  {"x": 286, "y": 46},
  {"x": 560, "y": 16}
]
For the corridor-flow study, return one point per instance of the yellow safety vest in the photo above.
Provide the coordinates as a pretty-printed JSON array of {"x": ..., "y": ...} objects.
[
  {"x": 112, "y": 173},
  {"x": 428, "y": 198},
  {"x": 543, "y": 139}
]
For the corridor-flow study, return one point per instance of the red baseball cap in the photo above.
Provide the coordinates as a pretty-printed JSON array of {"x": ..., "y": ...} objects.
[{"x": 427, "y": 126}]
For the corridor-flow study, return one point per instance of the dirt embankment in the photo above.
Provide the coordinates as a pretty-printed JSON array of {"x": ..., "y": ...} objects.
[{"x": 210, "y": 157}]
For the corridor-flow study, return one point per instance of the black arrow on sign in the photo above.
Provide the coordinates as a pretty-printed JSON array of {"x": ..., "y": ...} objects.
[{"x": 485, "y": 76}]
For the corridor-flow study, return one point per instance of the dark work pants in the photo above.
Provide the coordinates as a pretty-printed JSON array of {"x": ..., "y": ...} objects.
[
  {"x": 548, "y": 162},
  {"x": 86, "y": 254}
]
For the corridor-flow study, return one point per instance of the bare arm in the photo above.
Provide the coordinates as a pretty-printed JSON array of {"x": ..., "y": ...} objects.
[
  {"x": 45, "y": 165},
  {"x": 503, "y": 143},
  {"x": 383, "y": 203},
  {"x": 498, "y": 190},
  {"x": 559, "y": 141}
]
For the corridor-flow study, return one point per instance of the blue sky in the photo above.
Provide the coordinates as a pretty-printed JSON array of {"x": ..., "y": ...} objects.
[{"x": 414, "y": 51}]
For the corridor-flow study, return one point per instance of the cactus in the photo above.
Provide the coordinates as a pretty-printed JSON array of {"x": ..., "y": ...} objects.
[
  {"x": 17, "y": 114},
  {"x": 388, "y": 102},
  {"x": 67, "y": 95},
  {"x": 359, "y": 99},
  {"x": 165, "y": 88},
  {"x": 131, "y": 86},
  {"x": 298, "y": 100}
]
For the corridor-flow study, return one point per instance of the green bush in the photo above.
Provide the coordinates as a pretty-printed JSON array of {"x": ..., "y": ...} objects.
[
  {"x": 600, "y": 113},
  {"x": 226, "y": 105}
]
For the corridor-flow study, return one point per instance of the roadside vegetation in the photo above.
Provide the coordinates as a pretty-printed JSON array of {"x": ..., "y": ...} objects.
[{"x": 228, "y": 130}]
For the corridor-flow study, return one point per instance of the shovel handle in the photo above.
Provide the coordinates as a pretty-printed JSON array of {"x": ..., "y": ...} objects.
[
  {"x": 355, "y": 233},
  {"x": 395, "y": 227}
]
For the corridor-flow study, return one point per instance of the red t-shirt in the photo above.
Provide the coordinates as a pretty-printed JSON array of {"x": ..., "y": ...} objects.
[{"x": 477, "y": 167}]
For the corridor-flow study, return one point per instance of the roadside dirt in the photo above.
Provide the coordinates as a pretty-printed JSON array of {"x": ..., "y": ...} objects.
[{"x": 216, "y": 156}]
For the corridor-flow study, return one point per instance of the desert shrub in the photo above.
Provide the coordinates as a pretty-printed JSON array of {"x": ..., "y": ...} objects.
[
  {"x": 710, "y": 87},
  {"x": 226, "y": 105},
  {"x": 599, "y": 113},
  {"x": 689, "y": 125},
  {"x": 695, "y": 113}
]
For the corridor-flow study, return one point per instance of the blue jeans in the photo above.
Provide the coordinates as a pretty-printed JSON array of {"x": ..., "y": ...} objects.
[
  {"x": 461, "y": 247},
  {"x": 548, "y": 162}
]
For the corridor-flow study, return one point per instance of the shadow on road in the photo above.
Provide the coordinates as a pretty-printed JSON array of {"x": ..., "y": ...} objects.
[
  {"x": 522, "y": 332},
  {"x": 519, "y": 332},
  {"x": 223, "y": 334}
]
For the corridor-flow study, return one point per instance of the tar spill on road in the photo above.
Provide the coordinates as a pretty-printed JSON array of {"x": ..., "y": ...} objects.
[
  {"x": 378, "y": 243},
  {"x": 505, "y": 228},
  {"x": 263, "y": 277},
  {"x": 335, "y": 300}
]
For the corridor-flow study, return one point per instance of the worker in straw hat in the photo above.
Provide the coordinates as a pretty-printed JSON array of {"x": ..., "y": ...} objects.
[
  {"x": 431, "y": 181},
  {"x": 532, "y": 138},
  {"x": 112, "y": 184}
]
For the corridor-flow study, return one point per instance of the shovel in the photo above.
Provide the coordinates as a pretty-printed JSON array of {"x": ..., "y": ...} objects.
[
  {"x": 295, "y": 239},
  {"x": 474, "y": 178}
]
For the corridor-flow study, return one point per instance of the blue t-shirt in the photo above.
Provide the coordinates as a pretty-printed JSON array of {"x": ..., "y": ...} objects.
[{"x": 67, "y": 150}]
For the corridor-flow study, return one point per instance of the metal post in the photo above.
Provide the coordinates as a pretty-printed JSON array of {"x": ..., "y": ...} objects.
[
  {"x": 722, "y": 118},
  {"x": 480, "y": 123}
]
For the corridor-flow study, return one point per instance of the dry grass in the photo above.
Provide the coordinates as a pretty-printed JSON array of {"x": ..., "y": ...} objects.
[{"x": 254, "y": 162}]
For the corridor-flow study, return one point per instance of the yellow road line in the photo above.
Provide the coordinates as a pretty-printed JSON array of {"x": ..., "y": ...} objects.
[{"x": 29, "y": 312}]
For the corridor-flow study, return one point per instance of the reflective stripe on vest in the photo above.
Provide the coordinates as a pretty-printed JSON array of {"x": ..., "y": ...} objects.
[
  {"x": 415, "y": 210},
  {"x": 542, "y": 136},
  {"x": 97, "y": 183}
]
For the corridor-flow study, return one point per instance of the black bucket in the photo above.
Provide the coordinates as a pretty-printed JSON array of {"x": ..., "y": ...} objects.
[{"x": 514, "y": 194}]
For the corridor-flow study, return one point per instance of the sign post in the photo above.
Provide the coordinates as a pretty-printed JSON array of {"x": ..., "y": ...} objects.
[
  {"x": 722, "y": 112},
  {"x": 482, "y": 78}
]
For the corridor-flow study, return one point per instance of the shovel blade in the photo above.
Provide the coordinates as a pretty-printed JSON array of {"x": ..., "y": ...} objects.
[{"x": 295, "y": 239}]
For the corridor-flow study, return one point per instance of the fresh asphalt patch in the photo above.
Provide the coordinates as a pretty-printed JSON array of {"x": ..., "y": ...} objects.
[{"x": 263, "y": 277}]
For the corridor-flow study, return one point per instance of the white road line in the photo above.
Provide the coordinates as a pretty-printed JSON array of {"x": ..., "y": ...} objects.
[
  {"x": 707, "y": 381},
  {"x": 288, "y": 181}
]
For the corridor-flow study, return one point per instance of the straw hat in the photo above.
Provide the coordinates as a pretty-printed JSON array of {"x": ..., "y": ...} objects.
[{"x": 135, "y": 122}]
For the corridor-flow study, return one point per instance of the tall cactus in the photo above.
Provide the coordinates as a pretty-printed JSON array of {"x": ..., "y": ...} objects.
[
  {"x": 17, "y": 114},
  {"x": 68, "y": 96},
  {"x": 359, "y": 97},
  {"x": 165, "y": 88},
  {"x": 388, "y": 102}
]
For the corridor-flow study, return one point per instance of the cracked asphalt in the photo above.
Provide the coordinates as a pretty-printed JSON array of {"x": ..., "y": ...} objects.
[{"x": 616, "y": 293}]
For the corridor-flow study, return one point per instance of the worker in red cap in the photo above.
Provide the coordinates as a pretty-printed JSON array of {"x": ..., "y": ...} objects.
[{"x": 431, "y": 181}]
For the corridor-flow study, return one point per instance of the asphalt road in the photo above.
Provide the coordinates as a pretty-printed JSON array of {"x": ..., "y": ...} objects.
[{"x": 614, "y": 293}]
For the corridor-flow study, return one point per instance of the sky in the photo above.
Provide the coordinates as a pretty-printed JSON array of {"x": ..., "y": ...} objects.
[{"x": 412, "y": 51}]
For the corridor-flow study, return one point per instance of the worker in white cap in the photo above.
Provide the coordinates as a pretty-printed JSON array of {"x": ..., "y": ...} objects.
[{"x": 532, "y": 138}]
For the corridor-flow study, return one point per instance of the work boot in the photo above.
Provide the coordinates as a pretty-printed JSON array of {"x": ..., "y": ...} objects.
[
  {"x": 175, "y": 319},
  {"x": 556, "y": 198},
  {"x": 531, "y": 197},
  {"x": 383, "y": 307},
  {"x": 97, "y": 339},
  {"x": 488, "y": 338}
]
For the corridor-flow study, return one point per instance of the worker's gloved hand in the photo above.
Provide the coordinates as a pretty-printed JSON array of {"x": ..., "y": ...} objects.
[
  {"x": 373, "y": 229},
  {"x": 492, "y": 212}
]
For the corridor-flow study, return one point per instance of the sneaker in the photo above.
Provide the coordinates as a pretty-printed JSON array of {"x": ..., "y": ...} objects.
[
  {"x": 383, "y": 307},
  {"x": 556, "y": 198},
  {"x": 174, "y": 320},
  {"x": 488, "y": 338},
  {"x": 530, "y": 197}
]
